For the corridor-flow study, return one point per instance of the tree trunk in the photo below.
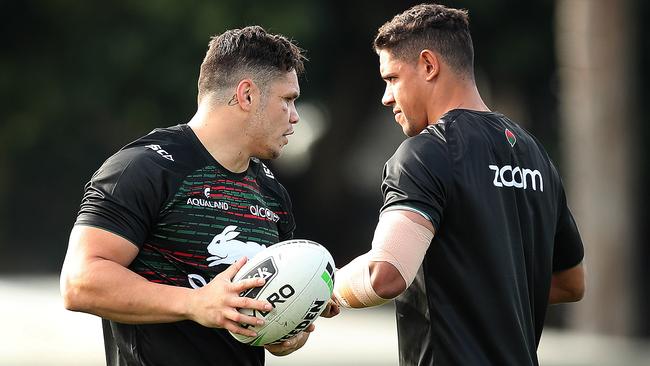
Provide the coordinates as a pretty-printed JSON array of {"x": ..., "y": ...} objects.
[{"x": 594, "y": 39}]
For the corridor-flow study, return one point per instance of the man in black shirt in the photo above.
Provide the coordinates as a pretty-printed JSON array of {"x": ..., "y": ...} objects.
[
  {"x": 167, "y": 221},
  {"x": 475, "y": 235}
]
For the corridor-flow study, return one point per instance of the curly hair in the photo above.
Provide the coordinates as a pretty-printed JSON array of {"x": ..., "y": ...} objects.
[
  {"x": 429, "y": 26},
  {"x": 247, "y": 52}
]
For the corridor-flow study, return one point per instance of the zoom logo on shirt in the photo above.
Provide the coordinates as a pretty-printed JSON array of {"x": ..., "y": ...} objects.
[{"x": 509, "y": 176}]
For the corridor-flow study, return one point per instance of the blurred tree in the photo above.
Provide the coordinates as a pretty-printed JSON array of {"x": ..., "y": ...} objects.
[
  {"x": 597, "y": 63},
  {"x": 81, "y": 79},
  {"x": 640, "y": 196}
]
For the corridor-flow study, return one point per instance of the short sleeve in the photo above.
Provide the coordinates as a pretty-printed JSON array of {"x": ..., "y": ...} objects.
[
  {"x": 287, "y": 223},
  {"x": 417, "y": 177},
  {"x": 568, "y": 249},
  {"x": 124, "y": 196}
]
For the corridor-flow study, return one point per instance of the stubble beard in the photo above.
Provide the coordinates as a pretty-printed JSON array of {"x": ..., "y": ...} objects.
[{"x": 265, "y": 150}]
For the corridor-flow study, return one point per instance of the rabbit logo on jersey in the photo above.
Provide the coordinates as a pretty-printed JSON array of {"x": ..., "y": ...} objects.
[{"x": 225, "y": 249}]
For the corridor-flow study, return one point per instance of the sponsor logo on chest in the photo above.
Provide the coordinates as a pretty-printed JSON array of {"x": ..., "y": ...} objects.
[
  {"x": 263, "y": 212},
  {"x": 206, "y": 202},
  {"x": 201, "y": 202}
]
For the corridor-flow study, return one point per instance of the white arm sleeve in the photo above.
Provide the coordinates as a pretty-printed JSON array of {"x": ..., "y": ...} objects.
[{"x": 399, "y": 241}]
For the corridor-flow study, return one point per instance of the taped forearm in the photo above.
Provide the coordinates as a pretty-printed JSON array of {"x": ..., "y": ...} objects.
[
  {"x": 353, "y": 288},
  {"x": 398, "y": 241}
]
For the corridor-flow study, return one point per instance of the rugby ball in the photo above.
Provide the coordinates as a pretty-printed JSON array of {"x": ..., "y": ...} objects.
[{"x": 299, "y": 278}]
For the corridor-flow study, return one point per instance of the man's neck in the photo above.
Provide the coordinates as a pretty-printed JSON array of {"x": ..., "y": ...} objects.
[
  {"x": 220, "y": 134},
  {"x": 464, "y": 95}
]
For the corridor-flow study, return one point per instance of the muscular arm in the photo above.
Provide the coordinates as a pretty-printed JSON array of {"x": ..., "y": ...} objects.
[
  {"x": 95, "y": 279},
  {"x": 400, "y": 243},
  {"x": 567, "y": 285},
  {"x": 385, "y": 278}
]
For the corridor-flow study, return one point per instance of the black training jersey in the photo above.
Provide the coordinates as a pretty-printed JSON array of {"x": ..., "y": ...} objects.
[
  {"x": 191, "y": 219},
  {"x": 502, "y": 226}
]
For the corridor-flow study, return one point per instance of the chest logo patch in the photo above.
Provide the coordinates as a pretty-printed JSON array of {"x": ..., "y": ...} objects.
[
  {"x": 225, "y": 249},
  {"x": 512, "y": 139}
]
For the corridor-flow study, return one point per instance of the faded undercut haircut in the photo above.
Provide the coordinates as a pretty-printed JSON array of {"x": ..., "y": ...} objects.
[
  {"x": 433, "y": 27},
  {"x": 250, "y": 52}
]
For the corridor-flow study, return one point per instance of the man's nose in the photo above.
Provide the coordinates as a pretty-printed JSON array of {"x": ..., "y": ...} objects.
[
  {"x": 388, "y": 99},
  {"x": 293, "y": 116}
]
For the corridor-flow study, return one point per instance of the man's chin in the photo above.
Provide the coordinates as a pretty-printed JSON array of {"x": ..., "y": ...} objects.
[
  {"x": 409, "y": 131},
  {"x": 269, "y": 154}
]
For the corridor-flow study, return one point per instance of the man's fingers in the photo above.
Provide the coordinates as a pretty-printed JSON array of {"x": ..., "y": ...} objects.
[
  {"x": 232, "y": 270},
  {"x": 288, "y": 346},
  {"x": 243, "y": 285},
  {"x": 335, "y": 309},
  {"x": 271, "y": 347},
  {"x": 248, "y": 303},
  {"x": 275, "y": 348},
  {"x": 237, "y": 329},
  {"x": 292, "y": 342},
  {"x": 310, "y": 328},
  {"x": 331, "y": 310},
  {"x": 283, "y": 348},
  {"x": 240, "y": 318}
]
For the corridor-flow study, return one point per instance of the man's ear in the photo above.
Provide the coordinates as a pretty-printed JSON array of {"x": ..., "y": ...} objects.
[
  {"x": 431, "y": 64},
  {"x": 244, "y": 94}
]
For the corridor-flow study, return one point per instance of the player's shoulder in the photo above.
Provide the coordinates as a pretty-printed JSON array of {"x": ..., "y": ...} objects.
[
  {"x": 172, "y": 144},
  {"x": 434, "y": 136},
  {"x": 430, "y": 142},
  {"x": 480, "y": 131},
  {"x": 426, "y": 151},
  {"x": 162, "y": 150}
]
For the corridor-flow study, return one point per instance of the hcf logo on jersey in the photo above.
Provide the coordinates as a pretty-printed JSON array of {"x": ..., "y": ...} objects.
[{"x": 509, "y": 176}]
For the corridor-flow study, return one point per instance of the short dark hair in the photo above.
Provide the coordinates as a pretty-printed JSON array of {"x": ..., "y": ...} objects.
[
  {"x": 430, "y": 26},
  {"x": 247, "y": 52}
]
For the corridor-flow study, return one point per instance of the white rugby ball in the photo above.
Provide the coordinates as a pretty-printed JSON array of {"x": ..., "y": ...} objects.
[{"x": 299, "y": 278}]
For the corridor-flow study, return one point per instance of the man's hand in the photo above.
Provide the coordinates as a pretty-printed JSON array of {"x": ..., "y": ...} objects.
[
  {"x": 291, "y": 344},
  {"x": 331, "y": 310},
  {"x": 215, "y": 304}
]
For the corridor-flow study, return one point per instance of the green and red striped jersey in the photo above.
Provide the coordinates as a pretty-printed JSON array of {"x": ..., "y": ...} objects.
[{"x": 190, "y": 218}]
